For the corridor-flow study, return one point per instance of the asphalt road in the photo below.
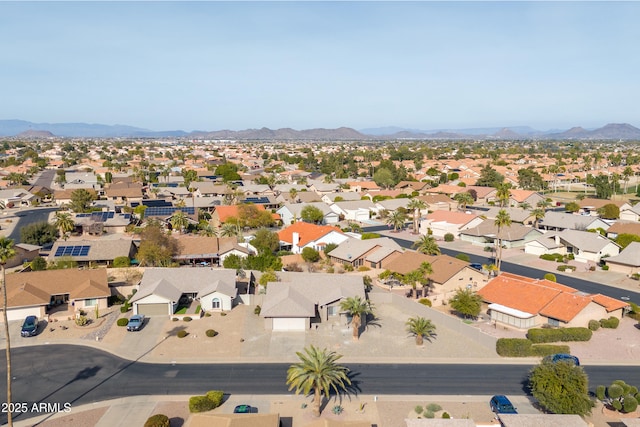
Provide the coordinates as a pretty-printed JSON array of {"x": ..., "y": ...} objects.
[
  {"x": 24, "y": 217},
  {"x": 523, "y": 270},
  {"x": 79, "y": 375}
]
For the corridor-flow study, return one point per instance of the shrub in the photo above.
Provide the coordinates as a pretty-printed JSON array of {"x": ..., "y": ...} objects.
[
  {"x": 594, "y": 325},
  {"x": 550, "y": 277},
  {"x": 544, "y": 335},
  {"x": 630, "y": 403},
  {"x": 82, "y": 320},
  {"x": 182, "y": 333},
  {"x": 174, "y": 319},
  {"x": 257, "y": 310},
  {"x": 348, "y": 267},
  {"x": 418, "y": 409},
  {"x": 446, "y": 415},
  {"x": 565, "y": 267},
  {"x": 122, "y": 321},
  {"x": 542, "y": 350},
  {"x": 429, "y": 414},
  {"x": 552, "y": 257},
  {"x": 337, "y": 409},
  {"x": 433, "y": 407},
  {"x": 610, "y": 323},
  {"x": 425, "y": 301},
  {"x": 211, "y": 333},
  {"x": 216, "y": 397},
  {"x": 634, "y": 276},
  {"x": 605, "y": 267},
  {"x": 200, "y": 404},
  {"x": 222, "y": 313},
  {"x": 124, "y": 307},
  {"x": 207, "y": 314},
  {"x": 449, "y": 237},
  {"x": 187, "y": 319},
  {"x": 363, "y": 268},
  {"x": 600, "y": 392},
  {"x": 158, "y": 420},
  {"x": 513, "y": 347},
  {"x": 121, "y": 261}
]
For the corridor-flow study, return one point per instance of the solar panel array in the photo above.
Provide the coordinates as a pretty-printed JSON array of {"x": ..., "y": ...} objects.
[
  {"x": 257, "y": 200},
  {"x": 167, "y": 211},
  {"x": 97, "y": 216},
  {"x": 75, "y": 250}
]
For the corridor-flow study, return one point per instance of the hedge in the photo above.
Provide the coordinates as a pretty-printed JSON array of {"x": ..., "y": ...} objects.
[
  {"x": 610, "y": 323},
  {"x": 540, "y": 335},
  {"x": 216, "y": 396},
  {"x": 200, "y": 404},
  {"x": 522, "y": 347},
  {"x": 543, "y": 350},
  {"x": 594, "y": 325},
  {"x": 122, "y": 321},
  {"x": 158, "y": 420}
]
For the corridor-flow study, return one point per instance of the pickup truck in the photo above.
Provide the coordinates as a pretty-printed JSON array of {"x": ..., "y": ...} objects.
[{"x": 136, "y": 322}]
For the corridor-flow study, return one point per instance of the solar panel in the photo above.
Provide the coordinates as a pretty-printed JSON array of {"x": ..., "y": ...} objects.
[
  {"x": 167, "y": 211},
  {"x": 75, "y": 250}
]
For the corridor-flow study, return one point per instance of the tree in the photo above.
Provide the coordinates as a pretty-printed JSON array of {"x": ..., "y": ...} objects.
[
  {"x": 627, "y": 173},
  {"x": 502, "y": 220},
  {"x": 293, "y": 194},
  {"x": 416, "y": 205},
  {"x": 427, "y": 245},
  {"x": 464, "y": 199},
  {"x": 38, "y": 264},
  {"x": 503, "y": 193},
  {"x": 81, "y": 199},
  {"x": 310, "y": 255},
  {"x": 39, "y": 233},
  {"x": 396, "y": 219},
  {"x": 602, "y": 186},
  {"x": 538, "y": 214},
  {"x": 317, "y": 371},
  {"x": 466, "y": 302},
  {"x": 230, "y": 230},
  {"x": 421, "y": 328},
  {"x": 384, "y": 178},
  {"x": 63, "y": 222},
  {"x": 233, "y": 262},
  {"x": 156, "y": 248},
  {"x": 609, "y": 211},
  {"x": 311, "y": 214},
  {"x": 228, "y": 172},
  {"x": 356, "y": 308},
  {"x": 6, "y": 253},
  {"x": 572, "y": 207},
  {"x": 561, "y": 388},
  {"x": 489, "y": 177},
  {"x": 267, "y": 277},
  {"x": 625, "y": 239},
  {"x": 179, "y": 221},
  {"x": 265, "y": 240},
  {"x": 529, "y": 179},
  {"x": 619, "y": 395}
]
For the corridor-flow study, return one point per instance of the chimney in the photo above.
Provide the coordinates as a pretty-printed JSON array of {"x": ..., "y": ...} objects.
[
  {"x": 295, "y": 237},
  {"x": 556, "y": 238}
]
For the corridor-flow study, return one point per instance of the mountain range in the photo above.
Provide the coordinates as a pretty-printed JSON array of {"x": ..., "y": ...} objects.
[{"x": 21, "y": 128}]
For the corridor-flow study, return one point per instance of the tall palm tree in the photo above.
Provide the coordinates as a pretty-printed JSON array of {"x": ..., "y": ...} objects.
[
  {"x": 421, "y": 328},
  {"x": 503, "y": 192},
  {"x": 356, "y": 307},
  {"x": 626, "y": 175},
  {"x": 426, "y": 269},
  {"x": 412, "y": 279},
  {"x": 317, "y": 371},
  {"x": 293, "y": 193},
  {"x": 427, "y": 245},
  {"x": 396, "y": 220},
  {"x": 502, "y": 220},
  {"x": 464, "y": 199},
  {"x": 416, "y": 205},
  {"x": 179, "y": 221},
  {"x": 6, "y": 253},
  {"x": 63, "y": 222},
  {"x": 538, "y": 214}
]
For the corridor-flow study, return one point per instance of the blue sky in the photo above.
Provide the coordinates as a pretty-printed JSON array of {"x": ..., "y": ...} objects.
[{"x": 238, "y": 65}]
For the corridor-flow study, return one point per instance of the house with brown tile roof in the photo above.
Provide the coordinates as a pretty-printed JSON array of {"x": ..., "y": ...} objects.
[
  {"x": 590, "y": 205},
  {"x": 518, "y": 197},
  {"x": 524, "y": 303},
  {"x": 448, "y": 189},
  {"x": 443, "y": 222},
  {"x": 413, "y": 185},
  {"x": 302, "y": 234},
  {"x": 123, "y": 193},
  {"x": 205, "y": 251},
  {"x": 56, "y": 292},
  {"x": 486, "y": 234},
  {"x": 439, "y": 202},
  {"x": 373, "y": 253},
  {"x": 623, "y": 227}
]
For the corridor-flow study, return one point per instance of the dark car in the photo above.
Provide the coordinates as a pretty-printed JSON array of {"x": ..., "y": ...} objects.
[
  {"x": 500, "y": 404},
  {"x": 242, "y": 409},
  {"x": 562, "y": 357},
  {"x": 29, "y": 327},
  {"x": 476, "y": 265}
]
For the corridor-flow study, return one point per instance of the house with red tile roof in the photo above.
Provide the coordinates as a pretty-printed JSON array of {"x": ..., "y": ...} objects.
[
  {"x": 301, "y": 234},
  {"x": 524, "y": 303},
  {"x": 443, "y": 222}
]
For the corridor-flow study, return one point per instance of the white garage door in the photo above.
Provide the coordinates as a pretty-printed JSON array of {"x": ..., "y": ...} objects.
[
  {"x": 21, "y": 313},
  {"x": 290, "y": 324},
  {"x": 157, "y": 309}
]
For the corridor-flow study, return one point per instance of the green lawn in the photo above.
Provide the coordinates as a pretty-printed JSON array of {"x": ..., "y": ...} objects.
[{"x": 181, "y": 310}]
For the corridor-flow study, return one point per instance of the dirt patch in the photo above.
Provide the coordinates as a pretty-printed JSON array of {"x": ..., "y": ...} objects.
[{"x": 80, "y": 419}]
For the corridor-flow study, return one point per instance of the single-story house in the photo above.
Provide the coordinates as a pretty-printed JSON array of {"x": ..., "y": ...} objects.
[
  {"x": 558, "y": 221},
  {"x": 163, "y": 290},
  {"x": 357, "y": 210},
  {"x": 590, "y": 206},
  {"x": 443, "y": 222},
  {"x": 373, "y": 253},
  {"x": 341, "y": 196},
  {"x": 301, "y": 235},
  {"x": 518, "y": 197},
  {"x": 629, "y": 213},
  {"x": 623, "y": 227},
  {"x": 14, "y": 197},
  {"x": 92, "y": 252},
  {"x": 98, "y": 223},
  {"x": 486, "y": 234},
  {"x": 392, "y": 205},
  {"x": 299, "y": 299},
  {"x": 523, "y": 302},
  {"x": 24, "y": 253},
  {"x": 517, "y": 215},
  {"x": 627, "y": 261},
  {"x": 292, "y": 212},
  {"x": 439, "y": 202},
  {"x": 584, "y": 246},
  {"x": 123, "y": 193},
  {"x": 64, "y": 292},
  {"x": 204, "y": 251}
]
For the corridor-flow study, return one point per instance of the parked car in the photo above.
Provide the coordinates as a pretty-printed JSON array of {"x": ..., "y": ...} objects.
[
  {"x": 500, "y": 404},
  {"x": 562, "y": 357},
  {"x": 243, "y": 409},
  {"x": 476, "y": 265},
  {"x": 136, "y": 322},
  {"x": 29, "y": 326}
]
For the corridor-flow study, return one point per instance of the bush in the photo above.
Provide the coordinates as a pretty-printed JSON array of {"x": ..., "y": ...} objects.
[
  {"x": 122, "y": 321},
  {"x": 433, "y": 407},
  {"x": 542, "y": 350},
  {"x": 125, "y": 307},
  {"x": 187, "y": 319},
  {"x": 550, "y": 277},
  {"x": 610, "y": 323},
  {"x": 158, "y": 420},
  {"x": 552, "y": 257},
  {"x": 363, "y": 268},
  {"x": 200, "y": 404},
  {"x": 540, "y": 335},
  {"x": 429, "y": 414},
  {"x": 425, "y": 301},
  {"x": 257, "y": 310},
  {"x": 121, "y": 261},
  {"x": 446, "y": 415},
  {"x": 605, "y": 267},
  {"x": 594, "y": 325},
  {"x": 216, "y": 397},
  {"x": 174, "y": 319},
  {"x": 513, "y": 347},
  {"x": 348, "y": 267},
  {"x": 182, "y": 333},
  {"x": 601, "y": 392},
  {"x": 418, "y": 409},
  {"x": 211, "y": 333},
  {"x": 630, "y": 404},
  {"x": 449, "y": 237},
  {"x": 82, "y": 320},
  {"x": 565, "y": 267}
]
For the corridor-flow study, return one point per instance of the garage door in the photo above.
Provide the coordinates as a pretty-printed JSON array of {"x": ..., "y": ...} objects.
[
  {"x": 21, "y": 313},
  {"x": 290, "y": 324},
  {"x": 157, "y": 309}
]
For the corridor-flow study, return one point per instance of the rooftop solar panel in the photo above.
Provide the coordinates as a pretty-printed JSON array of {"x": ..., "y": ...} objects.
[{"x": 75, "y": 250}]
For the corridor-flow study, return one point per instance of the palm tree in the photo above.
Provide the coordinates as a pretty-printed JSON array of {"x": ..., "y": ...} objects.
[
  {"x": 464, "y": 199},
  {"x": 317, "y": 371},
  {"x": 538, "y": 214},
  {"x": 356, "y": 307},
  {"x": 412, "y": 279},
  {"x": 179, "y": 221},
  {"x": 63, "y": 222},
  {"x": 421, "y": 328},
  {"x": 416, "y": 205},
  {"x": 626, "y": 174},
  {"x": 544, "y": 204},
  {"x": 6, "y": 253},
  {"x": 229, "y": 230},
  {"x": 502, "y": 220},
  {"x": 426, "y": 269},
  {"x": 396, "y": 219},
  {"x": 503, "y": 193},
  {"x": 427, "y": 245},
  {"x": 293, "y": 193},
  {"x": 207, "y": 230}
]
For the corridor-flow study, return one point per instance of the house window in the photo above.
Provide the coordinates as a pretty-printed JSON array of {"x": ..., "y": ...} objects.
[
  {"x": 554, "y": 322},
  {"x": 90, "y": 302},
  {"x": 332, "y": 310},
  {"x": 215, "y": 303}
]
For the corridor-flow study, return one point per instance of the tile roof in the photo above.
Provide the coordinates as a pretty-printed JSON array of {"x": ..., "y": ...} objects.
[
  {"x": 201, "y": 246},
  {"x": 451, "y": 217},
  {"x": 170, "y": 282},
  {"x": 629, "y": 256},
  {"x": 353, "y": 248},
  {"x": 625, "y": 227},
  {"x": 307, "y": 232}
]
